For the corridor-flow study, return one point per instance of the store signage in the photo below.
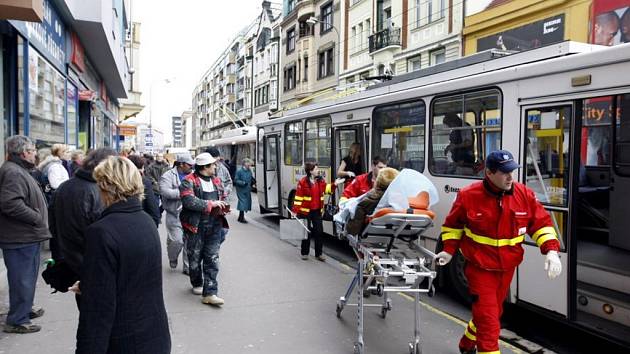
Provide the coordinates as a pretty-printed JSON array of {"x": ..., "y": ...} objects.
[
  {"x": 127, "y": 130},
  {"x": 78, "y": 54},
  {"x": 49, "y": 36},
  {"x": 530, "y": 36}
]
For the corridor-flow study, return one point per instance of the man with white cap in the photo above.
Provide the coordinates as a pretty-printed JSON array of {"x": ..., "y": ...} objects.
[
  {"x": 171, "y": 202},
  {"x": 203, "y": 220},
  {"x": 487, "y": 223}
]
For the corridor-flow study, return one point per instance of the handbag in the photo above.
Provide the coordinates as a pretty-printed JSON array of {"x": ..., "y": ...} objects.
[{"x": 59, "y": 275}]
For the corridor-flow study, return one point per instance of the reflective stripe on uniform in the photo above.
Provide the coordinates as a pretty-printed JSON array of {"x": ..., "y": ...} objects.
[
  {"x": 297, "y": 203},
  {"x": 297, "y": 197},
  {"x": 472, "y": 326},
  {"x": 470, "y": 335},
  {"x": 306, "y": 210},
  {"x": 544, "y": 238},
  {"x": 544, "y": 234},
  {"x": 451, "y": 234},
  {"x": 484, "y": 240},
  {"x": 328, "y": 189},
  {"x": 492, "y": 352},
  {"x": 306, "y": 198}
]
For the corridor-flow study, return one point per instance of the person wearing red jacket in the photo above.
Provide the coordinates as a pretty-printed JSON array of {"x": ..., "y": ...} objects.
[
  {"x": 363, "y": 183},
  {"x": 309, "y": 203},
  {"x": 487, "y": 223}
]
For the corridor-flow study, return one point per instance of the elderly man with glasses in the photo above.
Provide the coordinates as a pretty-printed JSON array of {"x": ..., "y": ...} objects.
[{"x": 24, "y": 220}]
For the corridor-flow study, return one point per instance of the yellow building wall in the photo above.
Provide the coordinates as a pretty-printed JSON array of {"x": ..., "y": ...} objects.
[{"x": 517, "y": 13}]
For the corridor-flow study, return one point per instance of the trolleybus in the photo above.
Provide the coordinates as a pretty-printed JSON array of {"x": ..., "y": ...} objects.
[{"x": 563, "y": 110}]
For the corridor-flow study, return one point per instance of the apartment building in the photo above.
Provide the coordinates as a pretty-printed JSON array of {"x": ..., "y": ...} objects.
[
  {"x": 393, "y": 37},
  {"x": 132, "y": 106},
  {"x": 265, "y": 48},
  {"x": 310, "y": 32},
  {"x": 241, "y": 86}
]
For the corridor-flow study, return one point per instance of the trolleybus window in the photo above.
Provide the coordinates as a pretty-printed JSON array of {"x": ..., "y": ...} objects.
[
  {"x": 271, "y": 152},
  {"x": 464, "y": 129},
  {"x": 318, "y": 140},
  {"x": 259, "y": 147},
  {"x": 547, "y": 171},
  {"x": 293, "y": 143},
  {"x": 398, "y": 134}
]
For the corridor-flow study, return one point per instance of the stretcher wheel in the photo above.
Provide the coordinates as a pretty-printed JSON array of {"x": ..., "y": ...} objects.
[
  {"x": 415, "y": 349},
  {"x": 358, "y": 348},
  {"x": 379, "y": 289},
  {"x": 384, "y": 312},
  {"x": 338, "y": 310}
]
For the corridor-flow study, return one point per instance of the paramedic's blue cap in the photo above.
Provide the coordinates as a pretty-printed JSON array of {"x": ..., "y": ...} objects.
[
  {"x": 185, "y": 158},
  {"x": 501, "y": 160}
]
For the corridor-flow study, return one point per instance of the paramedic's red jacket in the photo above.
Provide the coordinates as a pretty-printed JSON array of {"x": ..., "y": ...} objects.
[
  {"x": 358, "y": 187},
  {"x": 489, "y": 226},
  {"x": 310, "y": 196}
]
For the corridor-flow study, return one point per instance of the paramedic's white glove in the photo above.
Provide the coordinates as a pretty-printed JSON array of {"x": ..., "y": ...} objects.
[
  {"x": 350, "y": 174},
  {"x": 443, "y": 258},
  {"x": 552, "y": 264},
  {"x": 339, "y": 181}
]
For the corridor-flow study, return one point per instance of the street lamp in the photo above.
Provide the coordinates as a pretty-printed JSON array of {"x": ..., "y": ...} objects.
[{"x": 313, "y": 20}]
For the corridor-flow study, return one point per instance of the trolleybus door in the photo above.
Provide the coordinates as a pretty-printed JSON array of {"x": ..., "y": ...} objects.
[
  {"x": 272, "y": 171},
  {"x": 346, "y": 136},
  {"x": 547, "y": 168}
]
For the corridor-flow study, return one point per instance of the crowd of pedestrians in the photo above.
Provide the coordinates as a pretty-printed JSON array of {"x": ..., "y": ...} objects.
[{"x": 99, "y": 213}]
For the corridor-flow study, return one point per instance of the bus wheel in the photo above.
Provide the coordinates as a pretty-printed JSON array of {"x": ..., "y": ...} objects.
[{"x": 457, "y": 279}]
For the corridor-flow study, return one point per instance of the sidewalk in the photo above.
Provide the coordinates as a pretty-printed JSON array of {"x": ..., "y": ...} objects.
[{"x": 275, "y": 303}]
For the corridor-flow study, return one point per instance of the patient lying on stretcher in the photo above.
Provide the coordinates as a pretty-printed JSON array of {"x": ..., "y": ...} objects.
[
  {"x": 367, "y": 205},
  {"x": 408, "y": 192}
]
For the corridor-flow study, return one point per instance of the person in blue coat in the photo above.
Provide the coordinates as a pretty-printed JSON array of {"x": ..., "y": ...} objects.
[{"x": 243, "y": 183}]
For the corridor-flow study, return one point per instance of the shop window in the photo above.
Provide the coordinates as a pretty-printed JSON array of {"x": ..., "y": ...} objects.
[
  {"x": 72, "y": 114},
  {"x": 464, "y": 128},
  {"x": 398, "y": 134},
  {"x": 47, "y": 99},
  {"x": 318, "y": 139},
  {"x": 293, "y": 144}
]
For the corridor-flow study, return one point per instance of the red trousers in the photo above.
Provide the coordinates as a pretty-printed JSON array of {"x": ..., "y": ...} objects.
[{"x": 489, "y": 289}]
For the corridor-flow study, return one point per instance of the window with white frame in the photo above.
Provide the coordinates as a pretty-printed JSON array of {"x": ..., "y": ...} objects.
[
  {"x": 418, "y": 12},
  {"x": 326, "y": 18},
  {"x": 326, "y": 63},
  {"x": 438, "y": 56},
  {"x": 413, "y": 63},
  {"x": 291, "y": 40}
]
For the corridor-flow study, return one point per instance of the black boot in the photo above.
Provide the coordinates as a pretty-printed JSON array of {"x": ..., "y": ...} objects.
[{"x": 241, "y": 217}]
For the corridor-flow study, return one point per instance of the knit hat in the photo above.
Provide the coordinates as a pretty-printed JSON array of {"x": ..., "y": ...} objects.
[{"x": 385, "y": 177}]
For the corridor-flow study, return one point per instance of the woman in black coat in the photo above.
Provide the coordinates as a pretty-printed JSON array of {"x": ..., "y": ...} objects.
[
  {"x": 122, "y": 304},
  {"x": 150, "y": 203}
]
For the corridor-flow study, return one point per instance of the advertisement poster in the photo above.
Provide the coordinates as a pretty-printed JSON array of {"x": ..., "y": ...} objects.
[
  {"x": 33, "y": 71},
  {"x": 530, "y": 36},
  {"x": 611, "y": 22}
]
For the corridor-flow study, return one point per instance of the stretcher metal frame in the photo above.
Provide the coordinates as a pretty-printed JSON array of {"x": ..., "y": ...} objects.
[{"x": 379, "y": 261}]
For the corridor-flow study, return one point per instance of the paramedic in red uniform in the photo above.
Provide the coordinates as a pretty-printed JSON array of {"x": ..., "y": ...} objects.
[
  {"x": 363, "y": 183},
  {"x": 488, "y": 223},
  {"x": 309, "y": 203}
]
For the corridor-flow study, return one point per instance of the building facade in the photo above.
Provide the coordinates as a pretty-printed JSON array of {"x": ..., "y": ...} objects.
[
  {"x": 131, "y": 106},
  {"x": 187, "y": 129},
  {"x": 309, "y": 51},
  {"x": 176, "y": 131},
  {"x": 393, "y": 37},
  {"x": 527, "y": 24},
  {"x": 266, "y": 64},
  {"x": 241, "y": 86},
  {"x": 62, "y": 77}
]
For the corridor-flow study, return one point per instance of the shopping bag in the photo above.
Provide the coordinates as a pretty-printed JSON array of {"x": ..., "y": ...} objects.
[{"x": 293, "y": 229}]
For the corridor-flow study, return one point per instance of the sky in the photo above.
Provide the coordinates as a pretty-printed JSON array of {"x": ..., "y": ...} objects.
[{"x": 181, "y": 40}]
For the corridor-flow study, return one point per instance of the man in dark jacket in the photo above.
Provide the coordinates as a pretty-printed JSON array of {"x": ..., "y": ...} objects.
[
  {"x": 24, "y": 221},
  {"x": 78, "y": 205}
]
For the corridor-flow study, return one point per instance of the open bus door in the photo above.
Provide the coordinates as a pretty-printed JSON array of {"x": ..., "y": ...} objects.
[
  {"x": 344, "y": 137},
  {"x": 548, "y": 167},
  {"x": 271, "y": 168}
]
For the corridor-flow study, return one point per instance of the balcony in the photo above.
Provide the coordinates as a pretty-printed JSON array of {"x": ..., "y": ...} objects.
[{"x": 385, "y": 38}]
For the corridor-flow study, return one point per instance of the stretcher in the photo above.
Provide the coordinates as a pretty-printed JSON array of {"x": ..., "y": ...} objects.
[{"x": 384, "y": 265}]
